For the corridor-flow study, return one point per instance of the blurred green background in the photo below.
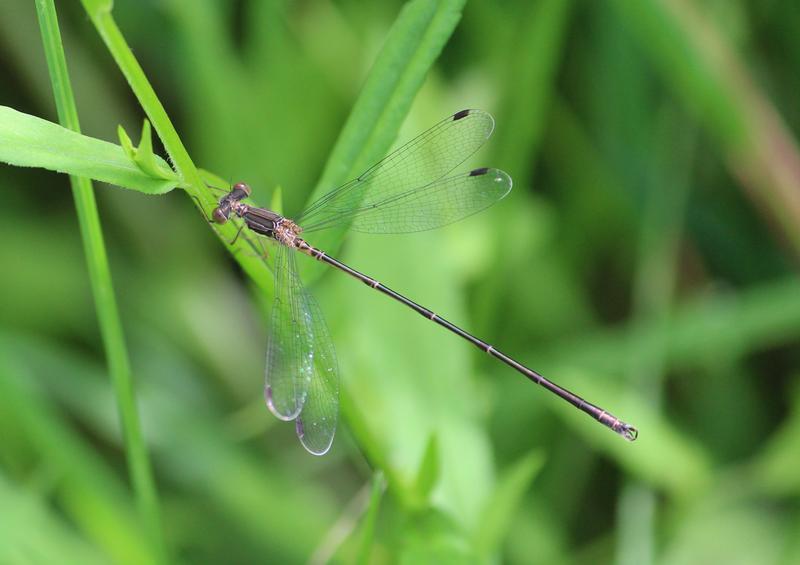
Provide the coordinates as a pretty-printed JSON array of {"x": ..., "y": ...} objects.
[{"x": 646, "y": 258}]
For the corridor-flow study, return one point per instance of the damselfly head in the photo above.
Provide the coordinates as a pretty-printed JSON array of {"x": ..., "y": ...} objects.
[
  {"x": 240, "y": 190},
  {"x": 219, "y": 215}
]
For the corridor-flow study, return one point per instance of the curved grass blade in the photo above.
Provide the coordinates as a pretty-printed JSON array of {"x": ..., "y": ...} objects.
[
  {"x": 28, "y": 141},
  {"x": 413, "y": 44}
]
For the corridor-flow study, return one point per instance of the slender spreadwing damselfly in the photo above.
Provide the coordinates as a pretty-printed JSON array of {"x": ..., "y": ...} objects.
[{"x": 410, "y": 190}]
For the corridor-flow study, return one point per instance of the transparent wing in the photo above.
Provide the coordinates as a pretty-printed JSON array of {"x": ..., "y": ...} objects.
[
  {"x": 417, "y": 164},
  {"x": 316, "y": 424},
  {"x": 438, "y": 204},
  {"x": 290, "y": 365},
  {"x": 302, "y": 377}
]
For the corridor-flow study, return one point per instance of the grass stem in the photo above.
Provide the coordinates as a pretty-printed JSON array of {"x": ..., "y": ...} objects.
[{"x": 102, "y": 289}]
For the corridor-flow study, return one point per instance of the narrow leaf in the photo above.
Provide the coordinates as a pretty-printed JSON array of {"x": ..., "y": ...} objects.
[
  {"x": 688, "y": 48},
  {"x": 27, "y": 520},
  {"x": 146, "y": 159},
  {"x": 428, "y": 473},
  {"x": 127, "y": 144},
  {"x": 415, "y": 41},
  {"x": 500, "y": 510},
  {"x": 88, "y": 490},
  {"x": 28, "y": 141},
  {"x": 276, "y": 204},
  {"x": 370, "y": 519}
]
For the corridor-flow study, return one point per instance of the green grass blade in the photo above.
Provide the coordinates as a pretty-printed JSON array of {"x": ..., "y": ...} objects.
[
  {"x": 372, "y": 450},
  {"x": 31, "y": 532},
  {"x": 367, "y": 531},
  {"x": 428, "y": 474},
  {"x": 143, "y": 155},
  {"x": 185, "y": 428},
  {"x": 541, "y": 42},
  {"x": 664, "y": 457},
  {"x": 695, "y": 59},
  {"x": 87, "y": 490},
  {"x": 28, "y": 141},
  {"x": 100, "y": 13},
  {"x": 774, "y": 468},
  {"x": 500, "y": 509},
  {"x": 102, "y": 288},
  {"x": 722, "y": 326},
  {"x": 414, "y": 43},
  {"x": 661, "y": 232}
]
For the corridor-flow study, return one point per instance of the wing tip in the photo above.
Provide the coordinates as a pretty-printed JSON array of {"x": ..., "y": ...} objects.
[
  {"x": 313, "y": 449},
  {"x": 503, "y": 177},
  {"x": 499, "y": 176},
  {"x": 461, "y": 114},
  {"x": 276, "y": 411}
]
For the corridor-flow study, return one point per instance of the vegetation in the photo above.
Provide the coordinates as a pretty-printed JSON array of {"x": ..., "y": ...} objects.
[{"x": 646, "y": 259}]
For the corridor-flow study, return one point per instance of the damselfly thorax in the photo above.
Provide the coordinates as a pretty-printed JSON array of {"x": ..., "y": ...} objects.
[{"x": 260, "y": 220}]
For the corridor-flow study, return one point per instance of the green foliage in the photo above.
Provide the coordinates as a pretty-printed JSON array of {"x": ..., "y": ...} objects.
[
  {"x": 138, "y": 460},
  {"x": 646, "y": 259},
  {"x": 28, "y": 141},
  {"x": 502, "y": 506},
  {"x": 143, "y": 155},
  {"x": 367, "y": 541},
  {"x": 428, "y": 473},
  {"x": 89, "y": 491},
  {"x": 411, "y": 47}
]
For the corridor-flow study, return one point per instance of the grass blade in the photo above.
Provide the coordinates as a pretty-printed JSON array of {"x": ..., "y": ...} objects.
[
  {"x": 28, "y": 141},
  {"x": 100, "y": 13},
  {"x": 87, "y": 490},
  {"x": 499, "y": 511},
  {"x": 414, "y": 43},
  {"x": 662, "y": 227},
  {"x": 702, "y": 68},
  {"x": 367, "y": 534},
  {"x": 102, "y": 288},
  {"x": 540, "y": 36},
  {"x": 30, "y": 532}
]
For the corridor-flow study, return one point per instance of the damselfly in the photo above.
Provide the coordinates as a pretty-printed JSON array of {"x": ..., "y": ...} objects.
[{"x": 407, "y": 191}]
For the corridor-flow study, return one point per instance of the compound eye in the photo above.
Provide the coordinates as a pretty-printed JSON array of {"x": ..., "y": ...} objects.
[
  {"x": 219, "y": 216},
  {"x": 243, "y": 187}
]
